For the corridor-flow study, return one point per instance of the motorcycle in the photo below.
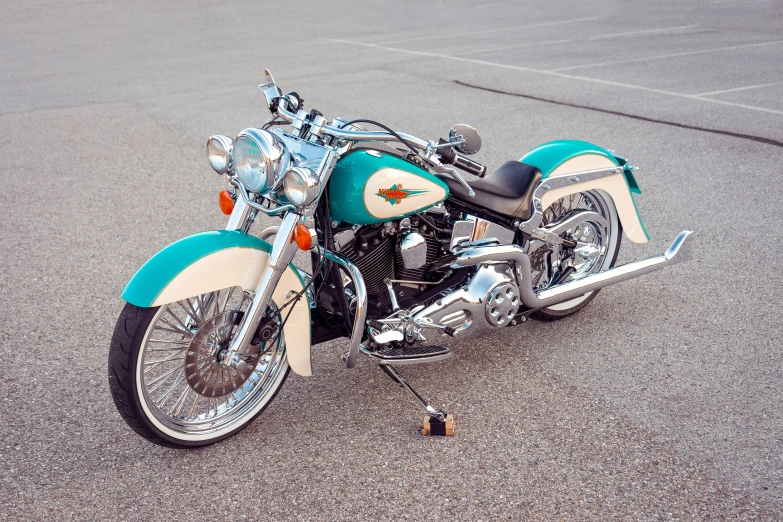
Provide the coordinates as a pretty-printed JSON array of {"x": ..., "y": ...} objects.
[{"x": 402, "y": 245}]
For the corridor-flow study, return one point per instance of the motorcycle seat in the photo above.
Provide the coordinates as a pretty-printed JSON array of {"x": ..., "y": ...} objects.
[{"x": 508, "y": 190}]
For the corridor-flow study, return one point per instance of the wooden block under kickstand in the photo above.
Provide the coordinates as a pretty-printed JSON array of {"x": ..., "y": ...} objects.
[{"x": 429, "y": 430}]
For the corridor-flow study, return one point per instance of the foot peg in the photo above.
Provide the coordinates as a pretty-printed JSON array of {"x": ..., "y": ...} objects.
[
  {"x": 437, "y": 422},
  {"x": 416, "y": 354},
  {"x": 433, "y": 426}
]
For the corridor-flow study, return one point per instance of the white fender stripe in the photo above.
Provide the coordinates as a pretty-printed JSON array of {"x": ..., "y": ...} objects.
[
  {"x": 243, "y": 267},
  {"x": 615, "y": 186}
]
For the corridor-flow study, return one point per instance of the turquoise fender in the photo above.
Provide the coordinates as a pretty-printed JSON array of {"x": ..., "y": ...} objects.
[
  {"x": 567, "y": 157},
  {"x": 218, "y": 259}
]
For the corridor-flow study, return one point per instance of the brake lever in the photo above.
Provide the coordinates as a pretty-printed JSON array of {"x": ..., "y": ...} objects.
[
  {"x": 438, "y": 167},
  {"x": 456, "y": 175}
]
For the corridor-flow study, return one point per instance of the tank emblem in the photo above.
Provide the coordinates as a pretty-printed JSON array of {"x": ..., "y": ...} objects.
[{"x": 396, "y": 193}]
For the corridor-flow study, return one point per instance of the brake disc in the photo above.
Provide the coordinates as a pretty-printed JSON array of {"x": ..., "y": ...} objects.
[{"x": 204, "y": 369}]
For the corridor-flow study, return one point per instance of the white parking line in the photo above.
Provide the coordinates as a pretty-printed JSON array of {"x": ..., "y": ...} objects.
[
  {"x": 644, "y": 31},
  {"x": 741, "y": 3},
  {"x": 556, "y": 74},
  {"x": 519, "y": 46},
  {"x": 487, "y": 31},
  {"x": 737, "y": 89},
  {"x": 662, "y": 56},
  {"x": 553, "y": 42}
]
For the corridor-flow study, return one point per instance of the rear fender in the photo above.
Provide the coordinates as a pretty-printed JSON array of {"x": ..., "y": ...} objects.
[
  {"x": 569, "y": 157},
  {"x": 219, "y": 259}
]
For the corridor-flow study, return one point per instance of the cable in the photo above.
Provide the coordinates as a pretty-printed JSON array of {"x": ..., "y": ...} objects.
[
  {"x": 387, "y": 129},
  {"x": 297, "y": 297}
]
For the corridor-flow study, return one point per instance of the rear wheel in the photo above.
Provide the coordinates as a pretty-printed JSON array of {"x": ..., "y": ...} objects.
[
  {"x": 168, "y": 377},
  {"x": 598, "y": 238}
]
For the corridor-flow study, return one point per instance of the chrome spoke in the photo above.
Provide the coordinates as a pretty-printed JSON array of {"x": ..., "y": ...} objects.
[
  {"x": 209, "y": 396},
  {"x": 180, "y": 324},
  {"x": 189, "y": 310},
  {"x": 175, "y": 328},
  {"x": 179, "y": 380},
  {"x": 172, "y": 349},
  {"x": 168, "y": 342},
  {"x": 228, "y": 296},
  {"x": 154, "y": 364},
  {"x": 215, "y": 299},
  {"x": 160, "y": 381}
]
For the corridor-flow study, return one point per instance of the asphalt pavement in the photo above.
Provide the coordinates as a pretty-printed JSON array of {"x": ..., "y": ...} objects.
[{"x": 660, "y": 401}]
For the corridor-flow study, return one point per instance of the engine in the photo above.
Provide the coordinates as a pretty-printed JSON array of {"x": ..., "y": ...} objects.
[
  {"x": 414, "y": 254},
  {"x": 403, "y": 251}
]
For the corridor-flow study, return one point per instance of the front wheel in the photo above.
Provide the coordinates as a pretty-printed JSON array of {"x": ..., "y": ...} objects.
[
  {"x": 598, "y": 238},
  {"x": 168, "y": 379}
]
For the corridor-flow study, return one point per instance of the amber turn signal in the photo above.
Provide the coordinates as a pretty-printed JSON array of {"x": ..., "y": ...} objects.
[
  {"x": 302, "y": 237},
  {"x": 226, "y": 202}
]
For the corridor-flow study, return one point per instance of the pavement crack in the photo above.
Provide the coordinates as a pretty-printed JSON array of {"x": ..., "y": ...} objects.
[{"x": 750, "y": 137}]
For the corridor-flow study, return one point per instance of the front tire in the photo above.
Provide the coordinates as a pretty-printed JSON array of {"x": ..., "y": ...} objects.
[{"x": 157, "y": 394}]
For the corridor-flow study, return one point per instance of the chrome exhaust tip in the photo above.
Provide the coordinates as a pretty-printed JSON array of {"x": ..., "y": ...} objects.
[{"x": 676, "y": 246}]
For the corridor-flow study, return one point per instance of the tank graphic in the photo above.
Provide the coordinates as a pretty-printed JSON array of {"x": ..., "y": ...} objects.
[{"x": 369, "y": 187}]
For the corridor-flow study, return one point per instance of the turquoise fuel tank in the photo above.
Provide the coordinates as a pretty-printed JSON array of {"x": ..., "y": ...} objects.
[{"x": 368, "y": 187}]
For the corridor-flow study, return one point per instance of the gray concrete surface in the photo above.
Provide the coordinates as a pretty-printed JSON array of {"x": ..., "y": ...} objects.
[{"x": 662, "y": 400}]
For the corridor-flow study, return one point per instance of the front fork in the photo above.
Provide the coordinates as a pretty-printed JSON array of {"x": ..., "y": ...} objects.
[{"x": 283, "y": 250}]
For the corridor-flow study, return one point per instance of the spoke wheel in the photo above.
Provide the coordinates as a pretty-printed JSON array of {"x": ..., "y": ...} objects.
[
  {"x": 180, "y": 382},
  {"x": 598, "y": 243}
]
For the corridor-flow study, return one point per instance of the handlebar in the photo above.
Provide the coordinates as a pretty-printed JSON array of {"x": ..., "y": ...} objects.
[
  {"x": 448, "y": 155},
  {"x": 470, "y": 166}
]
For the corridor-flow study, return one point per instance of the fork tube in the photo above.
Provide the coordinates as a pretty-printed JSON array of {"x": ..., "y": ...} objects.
[{"x": 283, "y": 251}]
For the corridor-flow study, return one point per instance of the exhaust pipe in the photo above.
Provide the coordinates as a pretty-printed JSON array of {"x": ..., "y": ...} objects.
[{"x": 566, "y": 291}]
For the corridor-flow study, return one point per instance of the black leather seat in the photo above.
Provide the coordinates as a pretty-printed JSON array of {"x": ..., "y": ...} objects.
[{"x": 507, "y": 191}]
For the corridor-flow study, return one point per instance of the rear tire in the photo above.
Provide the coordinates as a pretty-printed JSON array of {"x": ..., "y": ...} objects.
[
  {"x": 131, "y": 334},
  {"x": 603, "y": 204}
]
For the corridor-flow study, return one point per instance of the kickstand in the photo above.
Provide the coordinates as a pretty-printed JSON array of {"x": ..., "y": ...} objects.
[{"x": 437, "y": 422}]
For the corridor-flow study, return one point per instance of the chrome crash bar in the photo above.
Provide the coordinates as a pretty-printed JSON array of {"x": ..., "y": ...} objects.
[
  {"x": 473, "y": 256},
  {"x": 361, "y": 302}
]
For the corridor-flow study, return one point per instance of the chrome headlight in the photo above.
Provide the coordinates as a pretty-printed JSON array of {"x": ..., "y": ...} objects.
[
  {"x": 259, "y": 159},
  {"x": 301, "y": 186},
  {"x": 219, "y": 153}
]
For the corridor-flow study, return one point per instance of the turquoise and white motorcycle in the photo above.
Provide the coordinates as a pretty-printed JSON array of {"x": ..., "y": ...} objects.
[{"x": 404, "y": 247}]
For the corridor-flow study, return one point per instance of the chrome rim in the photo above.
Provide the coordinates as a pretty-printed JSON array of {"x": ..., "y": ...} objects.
[
  {"x": 595, "y": 240},
  {"x": 184, "y": 386}
]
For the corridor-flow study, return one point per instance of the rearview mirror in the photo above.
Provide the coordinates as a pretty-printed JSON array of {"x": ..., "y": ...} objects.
[{"x": 465, "y": 139}]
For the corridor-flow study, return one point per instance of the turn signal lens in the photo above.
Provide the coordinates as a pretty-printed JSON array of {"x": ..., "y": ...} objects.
[
  {"x": 302, "y": 237},
  {"x": 226, "y": 202}
]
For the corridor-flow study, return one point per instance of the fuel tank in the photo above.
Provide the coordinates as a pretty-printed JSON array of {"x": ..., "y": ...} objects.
[{"x": 369, "y": 186}]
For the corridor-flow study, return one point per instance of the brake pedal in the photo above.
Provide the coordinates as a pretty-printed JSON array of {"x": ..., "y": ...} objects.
[{"x": 416, "y": 354}]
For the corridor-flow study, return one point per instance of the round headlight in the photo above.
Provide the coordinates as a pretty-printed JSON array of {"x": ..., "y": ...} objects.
[
  {"x": 259, "y": 159},
  {"x": 301, "y": 186},
  {"x": 219, "y": 153}
]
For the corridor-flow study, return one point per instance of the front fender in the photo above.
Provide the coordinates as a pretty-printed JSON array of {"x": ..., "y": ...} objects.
[
  {"x": 219, "y": 259},
  {"x": 569, "y": 157}
]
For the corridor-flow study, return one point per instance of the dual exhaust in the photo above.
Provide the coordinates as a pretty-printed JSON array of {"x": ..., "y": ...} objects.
[{"x": 487, "y": 255}]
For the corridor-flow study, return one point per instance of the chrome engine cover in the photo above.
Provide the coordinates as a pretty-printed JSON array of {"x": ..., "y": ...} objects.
[
  {"x": 502, "y": 304},
  {"x": 492, "y": 292},
  {"x": 413, "y": 250}
]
